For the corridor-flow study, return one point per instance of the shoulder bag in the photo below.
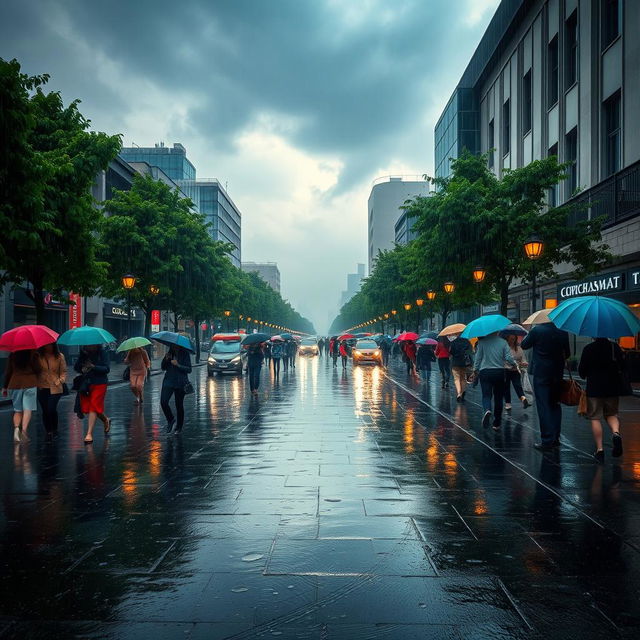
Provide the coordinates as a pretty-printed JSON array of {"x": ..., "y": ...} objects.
[
  {"x": 570, "y": 391},
  {"x": 188, "y": 388},
  {"x": 625, "y": 386}
]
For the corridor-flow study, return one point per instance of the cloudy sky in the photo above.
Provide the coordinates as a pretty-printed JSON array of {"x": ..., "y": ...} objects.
[{"x": 296, "y": 104}]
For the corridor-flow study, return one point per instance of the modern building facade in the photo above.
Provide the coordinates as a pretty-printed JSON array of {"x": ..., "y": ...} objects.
[
  {"x": 268, "y": 271},
  {"x": 354, "y": 281},
  {"x": 172, "y": 160},
  {"x": 388, "y": 195},
  {"x": 560, "y": 78}
]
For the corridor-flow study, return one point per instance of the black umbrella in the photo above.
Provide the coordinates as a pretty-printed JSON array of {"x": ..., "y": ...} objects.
[{"x": 256, "y": 338}]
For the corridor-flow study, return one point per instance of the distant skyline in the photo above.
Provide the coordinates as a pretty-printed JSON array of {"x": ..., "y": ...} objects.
[{"x": 296, "y": 107}]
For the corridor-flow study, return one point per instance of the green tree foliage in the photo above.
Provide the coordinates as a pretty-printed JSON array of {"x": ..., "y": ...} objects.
[{"x": 50, "y": 223}]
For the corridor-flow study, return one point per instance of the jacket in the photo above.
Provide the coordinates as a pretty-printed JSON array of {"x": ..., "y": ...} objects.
[
  {"x": 22, "y": 377},
  {"x": 441, "y": 350},
  {"x": 461, "y": 352},
  {"x": 176, "y": 376},
  {"x": 425, "y": 356},
  {"x": 100, "y": 371},
  {"x": 410, "y": 350},
  {"x": 491, "y": 353},
  {"x": 343, "y": 350},
  {"x": 550, "y": 349},
  {"x": 138, "y": 361},
  {"x": 277, "y": 350},
  {"x": 53, "y": 373},
  {"x": 255, "y": 357},
  {"x": 600, "y": 365}
]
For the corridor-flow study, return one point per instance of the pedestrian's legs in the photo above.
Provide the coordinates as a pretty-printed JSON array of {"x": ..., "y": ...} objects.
[
  {"x": 498, "y": 396},
  {"x": 276, "y": 366},
  {"x": 52, "y": 407},
  {"x": 614, "y": 423},
  {"x": 344, "y": 362},
  {"x": 460, "y": 380},
  {"x": 596, "y": 428},
  {"x": 91, "y": 422},
  {"x": 486, "y": 385},
  {"x": 179, "y": 396},
  {"x": 165, "y": 396},
  {"x": 548, "y": 409},
  {"x": 26, "y": 419},
  {"x": 447, "y": 371},
  {"x": 43, "y": 401},
  {"x": 507, "y": 388}
]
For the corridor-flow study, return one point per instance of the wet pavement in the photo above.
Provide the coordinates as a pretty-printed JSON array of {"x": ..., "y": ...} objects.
[{"x": 347, "y": 505}]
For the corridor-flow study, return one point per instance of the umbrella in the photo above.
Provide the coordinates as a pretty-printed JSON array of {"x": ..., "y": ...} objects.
[
  {"x": 513, "y": 330},
  {"x": 29, "y": 336},
  {"x": 133, "y": 343},
  {"x": 171, "y": 339},
  {"x": 452, "y": 329},
  {"x": 596, "y": 316},
  {"x": 346, "y": 336},
  {"x": 85, "y": 335},
  {"x": 286, "y": 336},
  {"x": 430, "y": 334},
  {"x": 408, "y": 335},
  {"x": 538, "y": 317},
  {"x": 484, "y": 325},
  {"x": 277, "y": 339},
  {"x": 427, "y": 341},
  {"x": 255, "y": 338}
]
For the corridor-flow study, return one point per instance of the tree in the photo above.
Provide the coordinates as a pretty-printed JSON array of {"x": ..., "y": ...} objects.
[{"x": 50, "y": 242}]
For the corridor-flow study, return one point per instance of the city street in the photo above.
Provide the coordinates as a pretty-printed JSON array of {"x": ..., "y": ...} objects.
[{"x": 357, "y": 504}]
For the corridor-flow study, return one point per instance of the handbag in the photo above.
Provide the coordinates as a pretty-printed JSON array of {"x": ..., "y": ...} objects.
[
  {"x": 126, "y": 374},
  {"x": 570, "y": 392},
  {"x": 582, "y": 405},
  {"x": 624, "y": 385},
  {"x": 65, "y": 389},
  {"x": 188, "y": 388}
]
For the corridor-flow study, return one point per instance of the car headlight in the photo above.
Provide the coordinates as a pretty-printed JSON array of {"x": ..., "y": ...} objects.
[
  {"x": 376, "y": 353},
  {"x": 210, "y": 360},
  {"x": 236, "y": 359},
  {"x": 356, "y": 352}
]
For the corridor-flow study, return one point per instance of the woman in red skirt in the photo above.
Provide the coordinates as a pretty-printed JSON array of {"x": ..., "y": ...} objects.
[{"x": 93, "y": 364}]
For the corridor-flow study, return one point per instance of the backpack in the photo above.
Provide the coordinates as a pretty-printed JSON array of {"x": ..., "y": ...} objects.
[{"x": 276, "y": 351}]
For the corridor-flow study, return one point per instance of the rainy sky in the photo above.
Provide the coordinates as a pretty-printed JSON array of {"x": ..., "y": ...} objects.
[{"x": 295, "y": 105}]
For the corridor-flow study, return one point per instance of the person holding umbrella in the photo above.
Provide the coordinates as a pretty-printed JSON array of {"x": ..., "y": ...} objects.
[
  {"x": 139, "y": 364},
  {"x": 410, "y": 352},
  {"x": 334, "y": 350},
  {"x": 424, "y": 358},
  {"x": 344, "y": 353},
  {"x": 442, "y": 354},
  {"x": 93, "y": 364},
  {"x": 277, "y": 351},
  {"x": 513, "y": 376},
  {"x": 461, "y": 355},
  {"x": 255, "y": 358},
  {"x": 51, "y": 383},
  {"x": 21, "y": 380}
]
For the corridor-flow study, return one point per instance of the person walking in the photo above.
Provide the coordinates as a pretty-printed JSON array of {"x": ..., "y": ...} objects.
[
  {"x": 461, "y": 360},
  {"x": 93, "y": 364},
  {"x": 255, "y": 358},
  {"x": 177, "y": 366},
  {"x": 320, "y": 347},
  {"x": 424, "y": 358},
  {"x": 266, "y": 350},
  {"x": 344, "y": 353},
  {"x": 334, "y": 351},
  {"x": 21, "y": 382},
  {"x": 442, "y": 354},
  {"x": 601, "y": 365},
  {"x": 385, "y": 350},
  {"x": 550, "y": 350},
  {"x": 514, "y": 376},
  {"x": 277, "y": 350},
  {"x": 492, "y": 353},
  {"x": 139, "y": 365},
  {"x": 292, "y": 349},
  {"x": 410, "y": 352},
  {"x": 51, "y": 381}
]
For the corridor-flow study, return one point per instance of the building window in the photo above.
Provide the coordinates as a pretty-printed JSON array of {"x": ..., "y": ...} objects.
[
  {"x": 506, "y": 127},
  {"x": 612, "y": 135},
  {"x": 611, "y": 20},
  {"x": 526, "y": 102},
  {"x": 552, "y": 73},
  {"x": 553, "y": 192},
  {"x": 571, "y": 155},
  {"x": 491, "y": 143},
  {"x": 571, "y": 50}
]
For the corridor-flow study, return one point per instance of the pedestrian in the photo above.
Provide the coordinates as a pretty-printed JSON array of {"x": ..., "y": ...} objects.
[
  {"x": 51, "y": 385},
  {"x": 514, "y": 375},
  {"x": 424, "y": 358},
  {"x": 344, "y": 353},
  {"x": 410, "y": 352},
  {"x": 461, "y": 360},
  {"x": 139, "y": 365},
  {"x": 177, "y": 366},
  {"x": 550, "y": 350},
  {"x": 292, "y": 349},
  {"x": 266, "y": 350},
  {"x": 334, "y": 351},
  {"x": 255, "y": 358},
  {"x": 21, "y": 382},
  {"x": 320, "y": 346},
  {"x": 602, "y": 365},
  {"x": 442, "y": 354},
  {"x": 492, "y": 353},
  {"x": 385, "y": 350},
  {"x": 93, "y": 364},
  {"x": 277, "y": 351}
]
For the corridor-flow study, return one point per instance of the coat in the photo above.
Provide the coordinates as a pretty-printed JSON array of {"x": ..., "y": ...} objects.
[
  {"x": 53, "y": 373},
  {"x": 176, "y": 376},
  {"x": 99, "y": 374},
  {"x": 550, "y": 349},
  {"x": 600, "y": 365},
  {"x": 461, "y": 352}
]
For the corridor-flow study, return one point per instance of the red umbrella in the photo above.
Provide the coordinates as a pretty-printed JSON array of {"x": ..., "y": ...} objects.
[
  {"x": 28, "y": 336},
  {"x": 346, "y": 336},
  {"x": 408, "y": 335},
  {"x": 277, "y": 339}
]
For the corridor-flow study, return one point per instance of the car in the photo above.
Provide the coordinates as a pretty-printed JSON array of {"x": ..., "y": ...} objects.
[
  {"x": 225, "y": 356},
  {"x": 368, "y": 351},
  {"x": 308, "y": 347}
]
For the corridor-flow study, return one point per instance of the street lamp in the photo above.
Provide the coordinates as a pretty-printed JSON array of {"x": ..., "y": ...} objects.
[
  {"x": 449, "y": 287},
  {"x": 394, "y": 313},
  {"x": 154, "y": 290},
  {"x": 128, "y": 282},
  {"x": 431, "y": 296},
  {"x": 479, "y": 274},
  {"x": 407, "y": 307},
  {"x": 419, "y": 303},
  {"x": 533, "y": 248},
  {"x": 239, "y": 320},
  {"x": 227, "y": 314}
]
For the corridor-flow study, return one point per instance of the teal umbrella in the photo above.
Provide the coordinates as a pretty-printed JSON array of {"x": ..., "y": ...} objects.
[
  {"x": 133, "y": 343},
  {"x": 85, "y": 335},
  {"x": 596, "y": 317},
  {"x": 485, "y": 325}
]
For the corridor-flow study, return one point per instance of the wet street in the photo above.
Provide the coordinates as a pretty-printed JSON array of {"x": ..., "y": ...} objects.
[{"x": 358, "y": 504}]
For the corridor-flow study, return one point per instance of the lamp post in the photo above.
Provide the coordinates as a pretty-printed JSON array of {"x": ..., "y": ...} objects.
[
  {"x": 449, "y": 287},
  {"x": 533, "y": 248},
  {"x": 419, "y": 303},
  {"x": 394, "y": 313},
  {"x": 227, "y": 314},
  {"x": 431, "y": 296},
  {"x": 407, "y": 308},
  {"x": 239, "y": 320},
  {"x": 479, "y": 274},
  {"x": 128, "y": 282}
]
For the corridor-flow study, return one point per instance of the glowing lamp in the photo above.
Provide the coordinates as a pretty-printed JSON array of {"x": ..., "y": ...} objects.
[
  {"x": 533, "y": 248},
  {"x": 128, "y": 281}
]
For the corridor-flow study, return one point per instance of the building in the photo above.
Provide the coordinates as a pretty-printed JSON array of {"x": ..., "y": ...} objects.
[
  {"x": 560, "y": 77},
  {"x": 172, "y": 160},
  {"x": 388, "y": 194},
  {"x": 404, "y": 229},
  {"x": 268, "y": 271},
  {"x": 354, "y": 280}
]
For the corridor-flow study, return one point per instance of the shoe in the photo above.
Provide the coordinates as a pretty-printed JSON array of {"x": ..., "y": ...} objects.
[
  {"x": 459, "y": 398},
  {"x": 599, "y": 456},
  {"x": 507, "y": 407},
  {"x": 177, "y": 430},
  {"x": 617, "y": 445},
  {"x": 170, "y": 425},
  {"x": 462, "y": 395},
  {"x": 88, "y": 440},
  {"x": 543, "y": 447},
  {"x": 107, "y": 426},
  {"x": 16, "y": 434},
  {"x": 525, "y": 403},
  {"x": 486, "y": 418},
  {"x": 496, "y": 427},
  {"x": 556, "y": 444}
]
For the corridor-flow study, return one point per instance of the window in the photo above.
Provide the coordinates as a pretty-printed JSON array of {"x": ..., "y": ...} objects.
[
  {"x": 506, "y": 127},
  {"x": 552, "y": 73},
  {"x": 553, "y": 192},
  {"x": 611, "y": 20},
  {"x": 491, "y": 142},
  {"x": 612, "y": 135},
  {"x": 571, "y": 50},
  {"x": 571, "y": 155},
  {"x": 526, "y": 102}
]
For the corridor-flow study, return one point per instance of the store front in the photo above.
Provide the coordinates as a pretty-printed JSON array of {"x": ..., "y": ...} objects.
[
  {"x": 56, "y": 313},
  {"x": 115, "y": 320}
]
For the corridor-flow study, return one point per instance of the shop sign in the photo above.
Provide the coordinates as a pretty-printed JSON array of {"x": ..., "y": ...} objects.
[
  {"x": 490, "y": 308},
  {"x": 75, "y": 310},
  {"x": 605, "y": 283},
  {"x": 114, "y": 311},
  {"x": 633, "y": 279},
  {"x": 155, "y": 321}
]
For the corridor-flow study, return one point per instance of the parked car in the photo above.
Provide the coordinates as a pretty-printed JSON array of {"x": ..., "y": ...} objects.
[{"x": 366, "y": 351}]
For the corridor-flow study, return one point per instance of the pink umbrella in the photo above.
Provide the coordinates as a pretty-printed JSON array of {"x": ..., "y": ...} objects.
[
  {"x": 28, "y": 336},
  {"x": 408, "y": 335}
]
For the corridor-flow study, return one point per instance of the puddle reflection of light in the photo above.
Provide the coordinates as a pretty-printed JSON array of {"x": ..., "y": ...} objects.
[
  {"x": 480, "y": 506},
  {"x": 155, "y": 449},
  {"x": 450, "y": 464},
  {"x": 433, "y": 453},
  {"x": 636, "y": 469},
  {"x": 129, "y": 485},
  {"x": 358, "y": 389},
  {"x": 409, "y": 431}
]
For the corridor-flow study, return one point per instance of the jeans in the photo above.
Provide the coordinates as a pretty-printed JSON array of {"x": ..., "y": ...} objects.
[
  {"x": 344, "y": 362},
  {"x": 165, "y": 396},
  {"x": 492, "y": 383},
  {"x": 49, "y": 404},
  {"x": 445, "y": 369},
  {"x": 335, "y": 359},
  {"x": 549, "y": 409},
  {"x": 512, "y": 378},
  {"x": 254, "y": 377},
  {"x": 425, "y": 368},
  {"x": 276, "y": 366}
]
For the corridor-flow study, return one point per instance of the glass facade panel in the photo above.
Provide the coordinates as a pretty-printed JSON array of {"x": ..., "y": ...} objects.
[
  {"x": 552, "y": 72},
  {"x": 571, "y": 155},
  {"x": 527, "y": 106},
  {"x": 611, "y": 20},
  {"x": 571, "y": 50},
  {"x": 612, "y": 135}
]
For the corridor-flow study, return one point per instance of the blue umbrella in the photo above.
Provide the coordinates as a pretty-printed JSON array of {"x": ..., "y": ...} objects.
[
  {"x": 485, "y": 325},
  {"x": 596, "y": 317},
  {"x": 171, "y": 339},
  {"x": 85, "y": 335}
]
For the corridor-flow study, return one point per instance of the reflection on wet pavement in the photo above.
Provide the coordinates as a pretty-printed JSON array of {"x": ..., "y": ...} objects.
[{"x": 364, "y": 504}]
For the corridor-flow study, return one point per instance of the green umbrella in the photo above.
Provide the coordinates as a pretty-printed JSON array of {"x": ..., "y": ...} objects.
[
  {"x": 85, "y": 335},
  {"x": 133, "y": 343}
]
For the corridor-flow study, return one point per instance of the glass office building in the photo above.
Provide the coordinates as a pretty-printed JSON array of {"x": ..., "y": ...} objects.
[{"x": 171, "y": 160}]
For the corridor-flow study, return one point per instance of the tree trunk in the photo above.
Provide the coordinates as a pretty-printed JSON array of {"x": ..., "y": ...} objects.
[
  {"x": 504, "y": 296},
  {"x": 37, "y": 295},
  {"x": 196, "y": 324}
]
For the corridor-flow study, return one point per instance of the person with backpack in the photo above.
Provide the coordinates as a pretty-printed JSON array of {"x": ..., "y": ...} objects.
[
  {"x": 277, "y": 353},
  {"x": 424, "y": 358},
  {"x": 461, "y": 356},
  {"x": 442, "y": 354}
]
